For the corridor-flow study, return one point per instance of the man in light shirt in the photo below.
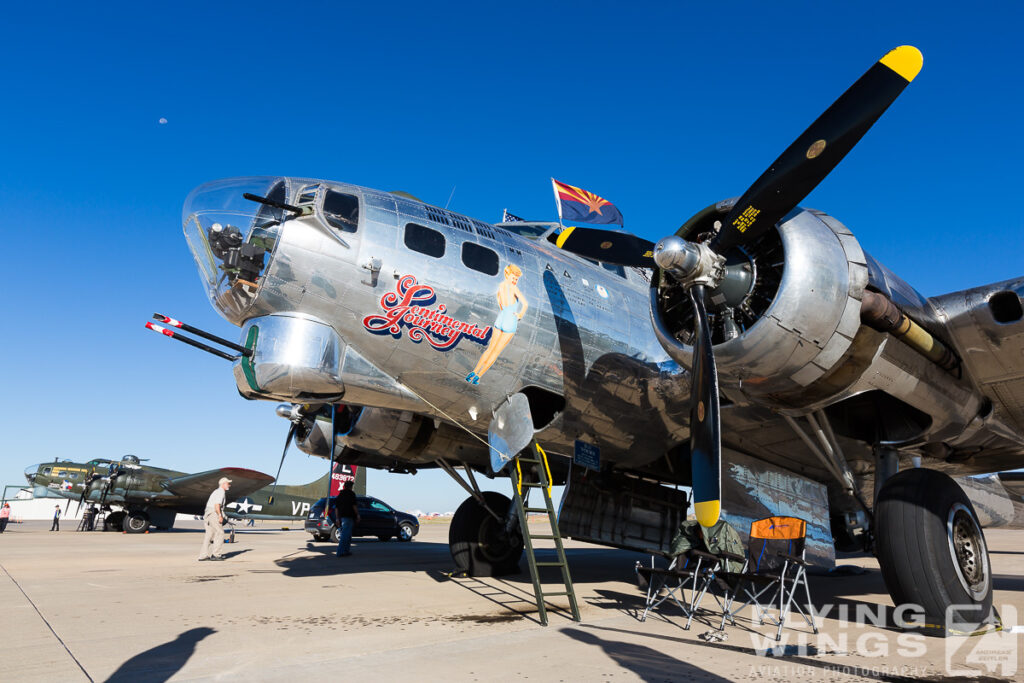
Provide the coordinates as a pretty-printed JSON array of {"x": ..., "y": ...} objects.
[{"x": 213, "y": 518}]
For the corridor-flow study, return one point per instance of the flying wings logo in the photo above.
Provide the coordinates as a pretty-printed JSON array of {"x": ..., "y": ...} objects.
[{"x": 408, "y": 306}]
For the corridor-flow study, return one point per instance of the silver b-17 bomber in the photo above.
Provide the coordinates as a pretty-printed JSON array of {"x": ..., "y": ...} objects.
[{"x": 758, "y": 354}]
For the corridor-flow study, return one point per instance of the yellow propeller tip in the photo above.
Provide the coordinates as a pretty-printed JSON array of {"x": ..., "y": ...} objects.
[
  {"x": 906, "y": 60},
  {"x": 708, "y": 512}
]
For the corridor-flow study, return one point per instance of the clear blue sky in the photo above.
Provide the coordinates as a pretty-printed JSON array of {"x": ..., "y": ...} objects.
[{"x": 662, "y": 108}]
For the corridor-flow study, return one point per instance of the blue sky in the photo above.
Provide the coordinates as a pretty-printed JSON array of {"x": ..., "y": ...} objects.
[{"x": 662, "y": 108}]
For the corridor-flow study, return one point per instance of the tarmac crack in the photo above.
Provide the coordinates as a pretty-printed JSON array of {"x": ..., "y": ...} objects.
[{"x": 54, "y": 632}]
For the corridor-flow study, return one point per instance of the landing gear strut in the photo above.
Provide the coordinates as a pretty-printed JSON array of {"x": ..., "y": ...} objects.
[{"x": 932, "y": 550}]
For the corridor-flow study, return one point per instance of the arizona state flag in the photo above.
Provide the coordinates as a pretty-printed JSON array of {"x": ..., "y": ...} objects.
[{"x": 575, "y": 204}]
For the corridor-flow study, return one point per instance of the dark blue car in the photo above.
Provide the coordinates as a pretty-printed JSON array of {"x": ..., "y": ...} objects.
[{"x": 376, "y": 518}]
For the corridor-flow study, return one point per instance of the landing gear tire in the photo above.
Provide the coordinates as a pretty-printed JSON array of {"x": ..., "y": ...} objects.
[
  {"x": 932, "y": 551},
  {"x": 114, "y": 521},
  {"x": 478, "y": 542},
  {"x": 136, "y": 522},
  {"x": 405, "y": 532}
]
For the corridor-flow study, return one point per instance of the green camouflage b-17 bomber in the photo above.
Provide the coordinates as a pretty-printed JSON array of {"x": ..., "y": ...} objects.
[{"x": 137, "y": 497}]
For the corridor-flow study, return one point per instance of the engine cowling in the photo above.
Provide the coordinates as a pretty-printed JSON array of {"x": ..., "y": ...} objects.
[
  {"x": 787, "y": 312},
  {"x": 391, "y": 435}
]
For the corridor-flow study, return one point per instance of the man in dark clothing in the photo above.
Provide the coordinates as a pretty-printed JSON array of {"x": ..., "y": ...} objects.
[
  {"x": 346, "y": 515},
  {"x": 56, "y": 519}
]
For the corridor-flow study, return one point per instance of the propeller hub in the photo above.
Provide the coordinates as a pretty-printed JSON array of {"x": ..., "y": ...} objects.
[{"x": 692, "y": 263}]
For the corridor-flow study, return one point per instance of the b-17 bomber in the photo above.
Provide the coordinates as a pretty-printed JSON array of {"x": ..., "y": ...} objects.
[
  {"x": 135, "y": 496},
  {"x": 758, "y": 354}
]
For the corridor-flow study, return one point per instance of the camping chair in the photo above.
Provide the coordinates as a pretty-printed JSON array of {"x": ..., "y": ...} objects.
[
  {"x": 774, "y": 567},
  {"x": 686, "y": 570},
  {"x": 690, "y": 567}
]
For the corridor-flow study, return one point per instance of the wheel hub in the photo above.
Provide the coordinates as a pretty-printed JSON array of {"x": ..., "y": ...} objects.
[
  {"x": 494, "y": 542},
  {"x": 968, "y": 550}
]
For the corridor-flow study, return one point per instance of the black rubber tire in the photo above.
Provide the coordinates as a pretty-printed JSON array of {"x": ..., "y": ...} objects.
[
  {"x": 916, "y": 510},
  {"x": 478, "y": 542},
  {"x": 319, "y": 538},
  {"x": 405, "y": 532},
  {"x": 334, "y": 534},
  {"x": 114, "y": 521},
  {"x": 136, "y": 522}
]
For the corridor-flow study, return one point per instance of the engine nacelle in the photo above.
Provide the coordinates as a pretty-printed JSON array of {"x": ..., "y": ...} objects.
[
  {"x": 392, "y": 435},
  {"x": 795, "y": 314}
]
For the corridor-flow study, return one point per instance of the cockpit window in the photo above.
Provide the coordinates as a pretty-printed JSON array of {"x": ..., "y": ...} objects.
[
  {"x": 341, "y": 210},
  {"x": 528, "y": 230},
  {"x": 614, "y": 268}
]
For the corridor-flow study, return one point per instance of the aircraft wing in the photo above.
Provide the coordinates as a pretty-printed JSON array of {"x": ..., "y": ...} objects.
[{"x": 202, "y": 484}]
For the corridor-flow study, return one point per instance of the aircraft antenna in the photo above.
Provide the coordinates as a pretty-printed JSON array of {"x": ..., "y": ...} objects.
[{"x": 450, "y": 197}]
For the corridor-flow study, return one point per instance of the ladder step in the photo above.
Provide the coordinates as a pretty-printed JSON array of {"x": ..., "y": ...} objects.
[
  {"x": 533, "y": 484},
  {"x": 546, "y": 594},
  {"x": 529, "y": 460},
  {"x": 550, "y": 564},
  {"x": 535, "y": 509},
  {"x": 548, "y": 537}
]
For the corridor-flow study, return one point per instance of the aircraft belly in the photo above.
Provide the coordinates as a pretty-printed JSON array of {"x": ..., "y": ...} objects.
[{"x": 753, "y": 489}]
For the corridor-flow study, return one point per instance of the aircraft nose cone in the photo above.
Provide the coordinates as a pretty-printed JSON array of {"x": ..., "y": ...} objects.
[{"x": 30, "y": 473}]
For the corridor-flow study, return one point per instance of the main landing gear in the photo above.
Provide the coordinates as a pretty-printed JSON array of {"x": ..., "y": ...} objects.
[
  {"x": 481, "y": 540},
  {"x": 932, "y": 551}
]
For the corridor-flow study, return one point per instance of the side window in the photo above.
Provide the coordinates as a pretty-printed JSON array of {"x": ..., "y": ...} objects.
[
  {"x": 479, "y": 258},
  {"x": 617, "y": 269},
  {"x": 341, "y": 210},
  {"x": 377, "y": 505},
  {"x": 424, "y": 240}
]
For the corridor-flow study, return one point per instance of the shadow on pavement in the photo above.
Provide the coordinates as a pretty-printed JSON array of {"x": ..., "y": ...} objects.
[
  {"x": 163, "y": 661},
  {"x": 646, "y": 662}
]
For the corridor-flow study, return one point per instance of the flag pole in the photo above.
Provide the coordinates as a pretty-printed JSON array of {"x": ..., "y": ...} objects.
[{"x": 558, "y": 204}]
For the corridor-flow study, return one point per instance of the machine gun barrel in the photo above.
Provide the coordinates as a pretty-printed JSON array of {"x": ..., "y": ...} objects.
[
  {"x": 191, "y": 342},
  {"x": 206, "y": 335}
]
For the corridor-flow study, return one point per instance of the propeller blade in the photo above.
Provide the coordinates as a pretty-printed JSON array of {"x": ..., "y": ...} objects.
[
  {"x": 287, "y": 442},
  {"x": 705, "y": 419},
  {"x": 817, "y": 151},
  {"x": 608, "y": 246}
]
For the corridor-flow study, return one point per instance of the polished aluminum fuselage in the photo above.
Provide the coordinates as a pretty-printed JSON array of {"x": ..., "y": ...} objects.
[{"x": 586, "y": 338}]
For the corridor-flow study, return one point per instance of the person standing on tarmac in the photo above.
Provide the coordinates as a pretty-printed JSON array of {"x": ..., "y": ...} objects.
[
  {"x": 5, "y": 516},
  {"x": 346, "y": 515},
  {"x": 56, "y": 519},
  {"x": 213, "y": 520}
]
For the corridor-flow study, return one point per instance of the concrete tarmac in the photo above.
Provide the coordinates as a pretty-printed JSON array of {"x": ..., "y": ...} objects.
[{"x": 109, "y": 606}]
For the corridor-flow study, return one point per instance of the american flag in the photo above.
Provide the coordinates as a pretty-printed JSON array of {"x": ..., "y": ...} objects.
[{"x": 507, "y": 217}]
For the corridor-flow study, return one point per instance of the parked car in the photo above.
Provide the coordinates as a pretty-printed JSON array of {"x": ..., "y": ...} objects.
[{"x": 376, "y": 518}]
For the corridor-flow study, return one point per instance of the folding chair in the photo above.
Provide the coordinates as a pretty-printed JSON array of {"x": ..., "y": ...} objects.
[
  {"x": 693, "y": 569},
  {"x": 774, "y": 566}
]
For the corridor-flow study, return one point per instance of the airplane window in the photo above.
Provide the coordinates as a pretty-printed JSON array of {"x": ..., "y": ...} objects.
[
  {"x": 46, "y": 470},
  {"x": 618, "y": 270},
  {"x": 479, "y": 258},
  {"x": 424, "y": 240},
  {"x": 307, "y": 195},
  {"x": 270, "y": 216},
  {"x": 341, "y": 210}
]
